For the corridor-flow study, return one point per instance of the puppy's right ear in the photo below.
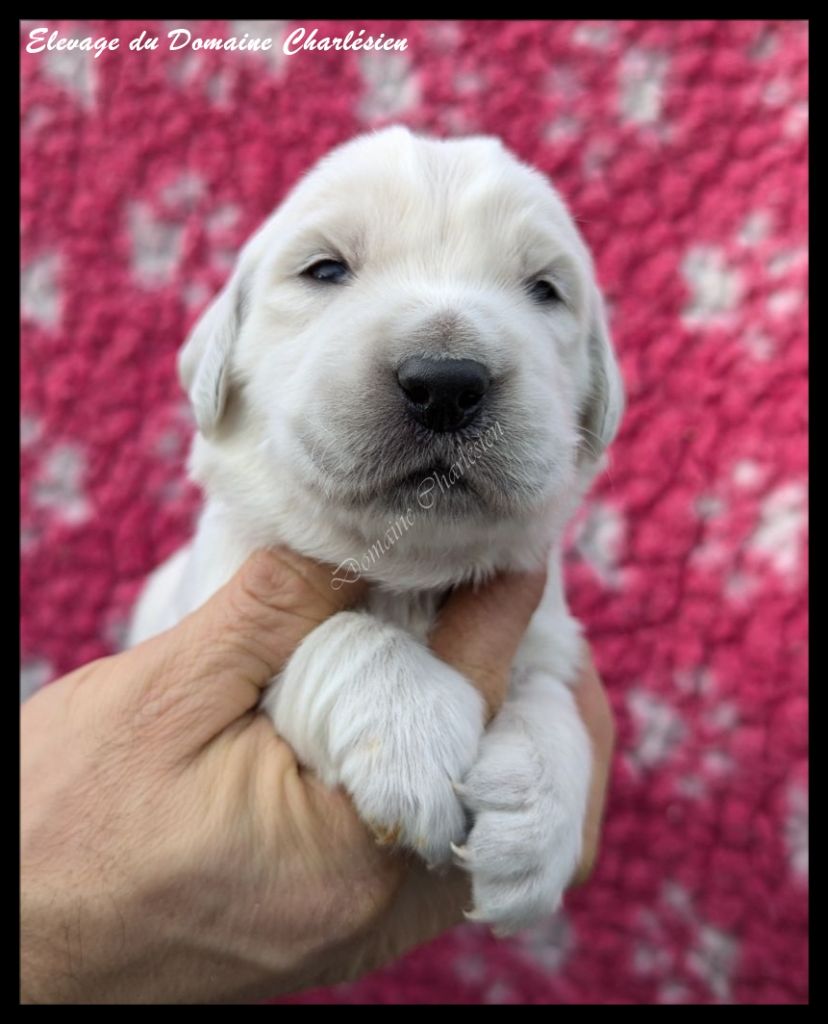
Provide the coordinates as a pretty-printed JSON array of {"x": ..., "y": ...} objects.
[{"x": 204, "y": 360}]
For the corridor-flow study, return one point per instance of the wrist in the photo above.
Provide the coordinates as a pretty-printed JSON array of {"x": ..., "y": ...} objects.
[
  {"x": 67, "y": 947},
  {"x": 40, "y": 961}
]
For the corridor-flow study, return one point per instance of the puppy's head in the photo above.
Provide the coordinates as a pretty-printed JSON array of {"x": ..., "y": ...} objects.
[{"x": 415, "y": 332}]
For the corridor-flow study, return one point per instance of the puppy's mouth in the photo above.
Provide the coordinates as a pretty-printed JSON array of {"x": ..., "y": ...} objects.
[
  {"x": 450, "y": 477},
  {"x": 434, "y": 482},
  {"x": 435, "y": 487},
  {"x": 438, "y": 490},
  {"x": 437, "y": 473}
]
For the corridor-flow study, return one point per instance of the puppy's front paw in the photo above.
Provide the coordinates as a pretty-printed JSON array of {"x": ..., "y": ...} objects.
[
  {"x": 373, "y": 710},
  {"x": 402, "y": 778},
  {"x": 525, "y": 844}
]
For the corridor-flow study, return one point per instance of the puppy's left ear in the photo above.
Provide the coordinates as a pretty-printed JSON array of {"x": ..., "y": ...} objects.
[{"x": 604, "y": 403}]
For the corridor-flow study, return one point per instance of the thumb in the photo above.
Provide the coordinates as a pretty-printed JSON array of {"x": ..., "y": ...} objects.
[
  {"x": 230, "y": 647},
  {"x": 479, "y": 630}
]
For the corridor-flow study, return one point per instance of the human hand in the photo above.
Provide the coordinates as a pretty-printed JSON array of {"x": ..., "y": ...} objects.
[{"x": 172, "y": 848}]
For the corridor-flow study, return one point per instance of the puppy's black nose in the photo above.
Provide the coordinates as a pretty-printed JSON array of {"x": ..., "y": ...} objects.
[{"x": 443, "y": 394}]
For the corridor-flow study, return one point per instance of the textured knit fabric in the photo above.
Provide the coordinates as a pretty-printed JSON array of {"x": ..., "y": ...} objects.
[{"x": 681, "y": 147}]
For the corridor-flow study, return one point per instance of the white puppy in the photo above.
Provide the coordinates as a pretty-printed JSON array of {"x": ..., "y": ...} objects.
[{"x": 409, "y": 376}]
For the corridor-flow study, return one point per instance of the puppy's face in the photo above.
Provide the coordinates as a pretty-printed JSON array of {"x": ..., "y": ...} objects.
[{"x": 416, "y": 330}]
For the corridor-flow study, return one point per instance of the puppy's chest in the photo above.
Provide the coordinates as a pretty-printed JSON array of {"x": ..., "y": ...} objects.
[{"x": 415, "y": 612}]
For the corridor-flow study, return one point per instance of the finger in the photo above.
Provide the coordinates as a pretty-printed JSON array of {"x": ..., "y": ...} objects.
[
  {"x": 221, "y": 656},
  {"x": 256, "y": 621},
  {"x": 479, "y": 630},
  {"x": 596, "y": 712}
]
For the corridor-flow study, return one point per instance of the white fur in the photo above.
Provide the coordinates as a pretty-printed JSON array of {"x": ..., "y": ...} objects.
[
  {"x": 304, "y": 440},
  {"x": 372, "y": 709}
]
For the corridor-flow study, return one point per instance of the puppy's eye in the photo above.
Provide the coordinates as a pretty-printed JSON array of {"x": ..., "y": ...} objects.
[
  {"x": 327, "y": 271},
  {"x": 544, "y": 292}
]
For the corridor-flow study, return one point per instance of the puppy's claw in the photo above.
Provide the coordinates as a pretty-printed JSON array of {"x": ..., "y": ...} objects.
[
  {"x": 461, "y": 853},
  {"x": 459, "y": 788}
]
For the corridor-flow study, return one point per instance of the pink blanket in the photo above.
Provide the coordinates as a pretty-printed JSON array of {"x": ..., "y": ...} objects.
[{"x": 681, "y": 147}]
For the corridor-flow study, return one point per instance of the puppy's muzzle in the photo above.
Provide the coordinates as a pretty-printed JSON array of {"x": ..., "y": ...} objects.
[{"x": 443, "y": 395}]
